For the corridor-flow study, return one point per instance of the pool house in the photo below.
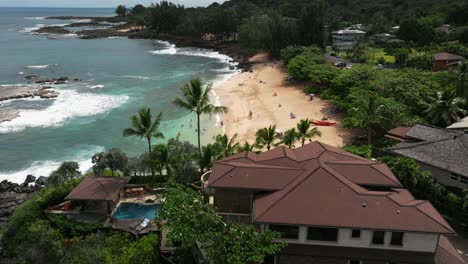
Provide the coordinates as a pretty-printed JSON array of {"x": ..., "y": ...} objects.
[{"x": 98, "y": 195}]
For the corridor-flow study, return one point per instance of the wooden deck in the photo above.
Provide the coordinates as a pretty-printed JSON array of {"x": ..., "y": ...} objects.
[{"x": 130, "y": 225}]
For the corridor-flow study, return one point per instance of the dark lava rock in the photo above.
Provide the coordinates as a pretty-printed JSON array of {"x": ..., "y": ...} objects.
[
  {"x": 53, "y": 30},
  {"x": 41, "y": 181},
  {"x": 29, "y": 179},
  {"x": 29, "y": 77}
]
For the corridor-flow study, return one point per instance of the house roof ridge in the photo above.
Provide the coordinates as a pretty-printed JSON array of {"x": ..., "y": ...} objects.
[
  {"x": 224, "y": 175},
  {"x": 305, "y": 175},
  {"x": 416, "y": 206},
  {"x": 243, "y": 164}
]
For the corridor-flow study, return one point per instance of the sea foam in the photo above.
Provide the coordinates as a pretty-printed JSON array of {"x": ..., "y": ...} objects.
[
  {"x": 171, "y": 49},
  {"x": 69, "y": 104},
  {"x": 39, "y": 67},
  {"x": 45, "y": 167}
]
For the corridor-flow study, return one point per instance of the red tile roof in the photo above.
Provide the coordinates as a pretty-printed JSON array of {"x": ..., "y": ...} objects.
[{"x": 320, "y": 185}]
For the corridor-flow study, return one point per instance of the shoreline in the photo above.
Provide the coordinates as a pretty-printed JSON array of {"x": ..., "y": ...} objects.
[{"x": 255, "y": 91}]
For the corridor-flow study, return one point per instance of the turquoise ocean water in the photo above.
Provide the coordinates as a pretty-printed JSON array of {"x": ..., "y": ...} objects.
[{"x": 118, "y": 75}]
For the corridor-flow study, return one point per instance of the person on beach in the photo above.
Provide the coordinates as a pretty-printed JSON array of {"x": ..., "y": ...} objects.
[{"x": 250, "y": 114}]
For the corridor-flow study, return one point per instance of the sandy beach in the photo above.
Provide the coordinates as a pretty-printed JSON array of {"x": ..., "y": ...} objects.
[{"x": 266, "y": 93}]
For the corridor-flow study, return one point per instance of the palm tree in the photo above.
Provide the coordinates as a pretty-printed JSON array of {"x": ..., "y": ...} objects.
[
  {"x": 266, "y": 137},
  {"x": 290, "y": 137},
  {"x": 304, "y": 131},
  {"x": 162, "y": 158},
  {"x": 144, "y": 126},
  {"x": 369, "y": 113},
  {"x": 246, "y": 147},
  {"x": 206, "y": 157},
  {"x": 197, "y": 101},
  {"x": 462, "y": 82},
  {"x": 444, "y": 108},
  {"x": 227, "y": 146}
]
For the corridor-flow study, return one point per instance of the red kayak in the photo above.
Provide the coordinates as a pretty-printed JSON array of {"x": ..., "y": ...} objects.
[{"x": 323, "y": 123}]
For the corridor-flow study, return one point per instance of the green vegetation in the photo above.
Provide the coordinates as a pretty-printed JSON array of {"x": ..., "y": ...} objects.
[
  {"x": 33, "y": 236},
  {"x": 190, "y": 219},
  {"x": 423, "y": 186}
]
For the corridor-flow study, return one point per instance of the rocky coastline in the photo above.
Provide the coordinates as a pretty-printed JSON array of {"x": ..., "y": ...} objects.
[
  {"x": 120, "y": 27},
  {"x": 13, "y": 195}
]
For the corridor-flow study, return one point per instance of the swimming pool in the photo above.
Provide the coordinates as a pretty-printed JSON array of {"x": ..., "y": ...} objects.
[{"x": 136, "y": 211}]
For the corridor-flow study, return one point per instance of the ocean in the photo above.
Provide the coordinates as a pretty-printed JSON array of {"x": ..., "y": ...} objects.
[{"x": 119, "y": 76}]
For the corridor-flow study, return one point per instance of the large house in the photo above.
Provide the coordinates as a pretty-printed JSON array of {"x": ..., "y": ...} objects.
[
  {"x": 329, "y": 206},
  {"x": 443, "y": 60},
  {"x": 444, "y": 152},
  {"x": 344, "y": 40}
]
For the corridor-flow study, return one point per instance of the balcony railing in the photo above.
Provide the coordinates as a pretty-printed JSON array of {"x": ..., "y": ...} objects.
[{"x": 236, "y": 218}]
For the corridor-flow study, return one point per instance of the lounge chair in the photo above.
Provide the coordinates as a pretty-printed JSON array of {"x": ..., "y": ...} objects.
[{"x": 143, "y": 225}]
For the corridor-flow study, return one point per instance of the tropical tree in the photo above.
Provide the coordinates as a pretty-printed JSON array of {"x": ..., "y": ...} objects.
[
  {"x": 121, "y": 10},
  {"x": 462, "y": 80},
  {"x": 246, "y": 147},
  {"x": 114, "y": 160},
  {"x": 207, "y": 157},
  {"x": 161, "y": 157},
  {"x": 227, "y": 146},
  {"x": 368, "y": 114},
  {"x": 197, "y": 100},
  {"x": 191, "y": 219},
  {"x": 304, "y": 131},
  {"x": 444, "y": 108},
  {"x": 266, "y": 137},
  {"x": 290, "y": 137},
  {"x": 67, "y": 171},
  {"x": 144, "y": 126}
]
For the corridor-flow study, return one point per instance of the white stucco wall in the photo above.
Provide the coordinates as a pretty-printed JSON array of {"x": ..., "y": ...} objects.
[{"x": 420, "y": 242}]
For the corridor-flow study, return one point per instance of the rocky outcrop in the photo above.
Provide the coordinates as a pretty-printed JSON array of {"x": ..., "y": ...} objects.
[
  {"x": 13, "y": 195},
  {"x": 52, "y": 30},
  {"x": 20, "y": 92}
]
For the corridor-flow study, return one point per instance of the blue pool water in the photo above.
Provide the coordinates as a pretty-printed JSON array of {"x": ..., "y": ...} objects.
[{"x": 136, "y": 211}]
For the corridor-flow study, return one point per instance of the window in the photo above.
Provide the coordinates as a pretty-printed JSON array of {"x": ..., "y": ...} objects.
[
  {"x": 378, "y": 238},
  {"x": 289, "y": 232},
  {"x": 354, "y": 261},
  {"x": 322, "y": 234},
  {"x": 397, "y": 239},
  {"x": 356, "y": 233},
  {"x": 464, "y": 180},
  {"x": 455, "y": 178}
]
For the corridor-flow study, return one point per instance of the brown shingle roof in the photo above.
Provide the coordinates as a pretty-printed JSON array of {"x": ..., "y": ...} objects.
[
  {"x": 443, "y": 56},
  {"x": 320, "y": 185},
  {"x": 98, "y": 189},
  {"x": 447, "y": 254}
]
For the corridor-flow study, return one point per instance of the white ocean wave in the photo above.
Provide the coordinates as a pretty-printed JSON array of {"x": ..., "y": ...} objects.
[
  {"x": 85, "y": 20},
  {"x": 39, "y": 66},
  {"x": 31, "y": 29},
  {"x": 61, "y": 36},
  {"x": 99, "y": 86},
  {"x": 217, "y": 99},
  {"x": 69, "y": 104},
  {"x": 136, "y": 77},
  {"x": 20, "y": 73},
  {"x": 35, "y": 18},
  {"x": 45, "y": 167}
]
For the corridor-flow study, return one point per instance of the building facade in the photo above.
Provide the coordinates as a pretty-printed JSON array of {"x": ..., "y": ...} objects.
[{"x": 329, "y": 206}]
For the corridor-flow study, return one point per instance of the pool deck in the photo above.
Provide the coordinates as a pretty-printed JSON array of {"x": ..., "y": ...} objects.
[
  {"x": 129, "y": 225},
  {"x": 141, "y": 199}
]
